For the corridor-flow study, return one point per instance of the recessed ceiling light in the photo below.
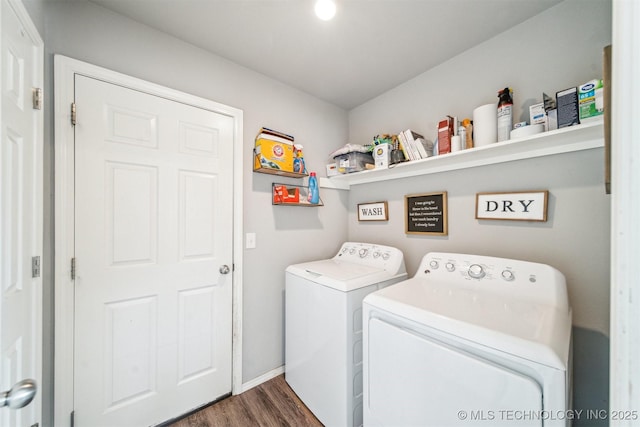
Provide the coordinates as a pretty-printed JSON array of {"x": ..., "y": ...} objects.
[{"x": 325, "y": 9}]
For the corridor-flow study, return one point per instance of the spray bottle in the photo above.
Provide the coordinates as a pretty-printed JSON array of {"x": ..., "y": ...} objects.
[
  {"x": 505, "y": 114},
  {"x": 298, "y": 161}
]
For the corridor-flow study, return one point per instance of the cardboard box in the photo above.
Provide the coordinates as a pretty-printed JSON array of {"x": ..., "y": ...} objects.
[
  {"x": 537, "y": 115},
  {"x": 445, "y": 132},
  {"x": 567, "y": 105},
  {"x": 282, "y": 194},
  {"x": 381, "y": 155},
  {"x": 273, "y": 155},
  {"x": 332, "y": 169},
  {"x": 591, "y": 99}
]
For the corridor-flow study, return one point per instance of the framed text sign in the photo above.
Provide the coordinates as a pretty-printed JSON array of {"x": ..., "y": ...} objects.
[
  {"x": 426, "y": 213},
  {"x": 515, "y": 206},
  {"x": 378, "y": 211}
]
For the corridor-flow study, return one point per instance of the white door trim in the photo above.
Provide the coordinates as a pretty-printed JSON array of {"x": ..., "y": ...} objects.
[
  {"x": 64, "y": 70},
  {"x": 625, "y": 210}
]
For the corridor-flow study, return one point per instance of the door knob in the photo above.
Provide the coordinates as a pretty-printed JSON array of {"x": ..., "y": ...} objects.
[
  {"x": 224, "y": 269},
  {"x": 20, "y": 395}
]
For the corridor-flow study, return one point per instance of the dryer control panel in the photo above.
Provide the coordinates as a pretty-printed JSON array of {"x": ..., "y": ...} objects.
[
  {"x": 505, "y": 277},
  {"x": 384, "y": 257}
]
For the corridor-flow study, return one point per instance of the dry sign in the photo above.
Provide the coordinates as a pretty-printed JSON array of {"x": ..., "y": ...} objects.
[{"x": 519, "y": 206}]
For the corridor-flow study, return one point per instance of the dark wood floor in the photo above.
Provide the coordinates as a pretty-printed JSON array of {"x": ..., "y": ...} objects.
[{"x": 272, "y": 403}]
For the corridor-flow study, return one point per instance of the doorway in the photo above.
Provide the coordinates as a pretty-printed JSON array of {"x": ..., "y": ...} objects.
[{"x": 145, "y": 248}]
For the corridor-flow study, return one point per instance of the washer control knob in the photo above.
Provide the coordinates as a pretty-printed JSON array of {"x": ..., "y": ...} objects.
[
  {"x": 434, "y": 264},
  {"x": 450, "y": 266},
  {"x": 352, "y": 251},
  {"x": 476, "y": 271},
  {"x": 363, "y": 252},
  {"x": 386, "y": 256},
  {"x": 508, "y": 275},
  {"x": 376, "y": 254}
]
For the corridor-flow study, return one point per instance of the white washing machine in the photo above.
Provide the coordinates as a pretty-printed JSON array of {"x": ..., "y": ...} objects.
[
  {"x": 469, "y": 341},
  {"x": 323, "y": 344}
]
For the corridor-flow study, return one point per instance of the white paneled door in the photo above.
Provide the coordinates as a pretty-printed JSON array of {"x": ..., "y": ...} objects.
[
  {"x": 20, "y": 220},
  {"x": 153, "y": 250}
]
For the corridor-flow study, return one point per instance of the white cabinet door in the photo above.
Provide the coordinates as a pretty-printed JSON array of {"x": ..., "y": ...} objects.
[
  {"x": 413, "y": 380},
  {"x": 153, "y": 233}
]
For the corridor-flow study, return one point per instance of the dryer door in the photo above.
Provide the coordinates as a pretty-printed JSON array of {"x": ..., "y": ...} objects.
[{"x": 414, "y": 380}]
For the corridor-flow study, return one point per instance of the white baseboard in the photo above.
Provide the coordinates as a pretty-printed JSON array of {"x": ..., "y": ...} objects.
[{"x": 262, "y": 378}]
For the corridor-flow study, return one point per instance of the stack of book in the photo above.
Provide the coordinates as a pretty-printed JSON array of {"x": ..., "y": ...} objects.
[{"x": 414, "y": 146}]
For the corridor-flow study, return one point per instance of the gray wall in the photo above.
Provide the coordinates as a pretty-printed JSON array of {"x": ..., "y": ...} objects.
[
  {"x": 285, "y": 235},
  {"x": 560, "y": 48}
]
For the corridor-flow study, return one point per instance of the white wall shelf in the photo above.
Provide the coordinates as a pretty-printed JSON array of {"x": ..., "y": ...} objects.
[{"x": 585, "y": 136}]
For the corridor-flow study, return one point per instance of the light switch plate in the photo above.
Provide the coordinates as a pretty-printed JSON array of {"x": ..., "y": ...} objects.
[{"x": 250, "y": 241}]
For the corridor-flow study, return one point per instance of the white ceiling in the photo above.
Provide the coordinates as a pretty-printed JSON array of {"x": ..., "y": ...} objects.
[{"x": 370, "y": 46}]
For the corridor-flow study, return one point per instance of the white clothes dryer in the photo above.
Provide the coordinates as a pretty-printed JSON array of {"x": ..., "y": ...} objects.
[
  {"x": 323, "y": 322},
  {"x": 469, "y": 341}
]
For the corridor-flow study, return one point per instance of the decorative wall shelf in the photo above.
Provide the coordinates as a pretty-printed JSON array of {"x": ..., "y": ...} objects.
[
  {"x": 298, "y": 193},
  {"x": 585, "y": 136},
  {"x": 258, "y": 167},
  {"x": 280, "y": 172}
]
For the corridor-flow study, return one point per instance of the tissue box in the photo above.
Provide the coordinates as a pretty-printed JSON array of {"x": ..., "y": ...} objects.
[{"x": 353, "y": 162}]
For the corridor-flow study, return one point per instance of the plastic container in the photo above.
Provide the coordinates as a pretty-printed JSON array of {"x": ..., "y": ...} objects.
[
  {"x": 314, "y": 191},
  {"x": 505, "y": 114},
  {"x": 353, "y": 162}
]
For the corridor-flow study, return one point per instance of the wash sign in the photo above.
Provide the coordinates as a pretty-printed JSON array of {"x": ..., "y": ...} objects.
[{"x": 516, "y": 206}]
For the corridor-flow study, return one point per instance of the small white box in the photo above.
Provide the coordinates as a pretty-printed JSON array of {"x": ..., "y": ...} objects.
[
  {"x": 381, "y": 155},
  {"x": 537, "y": 115},
  {"x": 332, "y": 169}
]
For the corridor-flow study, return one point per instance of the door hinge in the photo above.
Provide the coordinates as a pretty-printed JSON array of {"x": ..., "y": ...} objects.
[
  {"x": 73, "y": 114},
  {"x": 35, "y": 266},
  {"x": 37, "y": 98},
  {"x": 73, "y": 269},
  {"x": 72, "y": 418}
]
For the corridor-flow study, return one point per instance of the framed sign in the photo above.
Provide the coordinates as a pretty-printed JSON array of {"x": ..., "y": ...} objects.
[
  {"x": 426, "y": 213},
  {"x": 515, "y": 206},
  {"x": 377, "y": 211}
]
